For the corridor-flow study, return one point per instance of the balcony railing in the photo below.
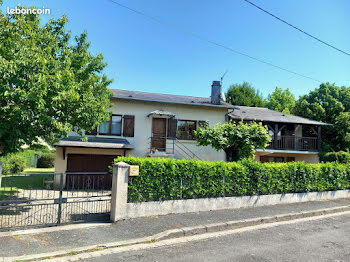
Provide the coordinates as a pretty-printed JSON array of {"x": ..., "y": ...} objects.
[{"x": 294, "y": 143}]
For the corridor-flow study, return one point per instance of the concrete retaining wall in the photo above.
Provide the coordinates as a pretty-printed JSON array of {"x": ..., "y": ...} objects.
[{"x": 134, "y": 210}]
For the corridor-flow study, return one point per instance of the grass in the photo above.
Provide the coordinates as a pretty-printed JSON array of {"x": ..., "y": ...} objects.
[
  {"x": 10, "y": 184},
  {"x": 39, "y": 170}
]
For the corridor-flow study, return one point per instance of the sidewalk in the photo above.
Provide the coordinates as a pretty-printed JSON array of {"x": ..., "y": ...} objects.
[{"x": 61, "y": 238}]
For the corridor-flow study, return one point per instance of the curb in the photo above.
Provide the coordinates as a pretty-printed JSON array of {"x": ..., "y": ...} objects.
[
  {"x": 184, "y": 232},
  {"x": 190, "y": 231}
]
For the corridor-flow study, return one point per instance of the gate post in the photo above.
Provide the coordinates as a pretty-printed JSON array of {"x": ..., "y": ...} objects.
[{"x": 119, "y": 197}]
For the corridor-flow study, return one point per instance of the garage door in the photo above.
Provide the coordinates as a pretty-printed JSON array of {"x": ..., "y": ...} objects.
[{"x": 89, "y": 171}]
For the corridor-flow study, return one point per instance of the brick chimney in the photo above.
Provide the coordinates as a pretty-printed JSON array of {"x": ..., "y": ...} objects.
[{"x": 216, "y": 93}]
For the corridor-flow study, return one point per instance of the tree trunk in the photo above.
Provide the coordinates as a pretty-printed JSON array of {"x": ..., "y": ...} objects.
[{"x": 231, "y": 154}]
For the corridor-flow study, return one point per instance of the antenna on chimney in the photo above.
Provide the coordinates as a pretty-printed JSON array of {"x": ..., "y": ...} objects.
[
  {"x": 223, "y": 97},
  {"x": 222, "y": 78}
]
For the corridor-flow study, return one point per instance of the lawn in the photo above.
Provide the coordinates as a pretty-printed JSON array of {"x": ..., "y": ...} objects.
[
  {"x": 39, "y": 170},
  {"x": 31, "y": 178}
]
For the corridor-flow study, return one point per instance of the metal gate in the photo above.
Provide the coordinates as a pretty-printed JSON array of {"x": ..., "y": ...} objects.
[{"x": 34, "y": 200}]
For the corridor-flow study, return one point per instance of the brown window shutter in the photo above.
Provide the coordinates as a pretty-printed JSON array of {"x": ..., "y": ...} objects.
[
  {"x": 128, "y": 125},
  {"x": 172, "y": 127}
]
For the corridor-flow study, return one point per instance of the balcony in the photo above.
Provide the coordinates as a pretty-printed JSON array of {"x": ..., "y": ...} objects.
[{"x": 294, "y": 143}]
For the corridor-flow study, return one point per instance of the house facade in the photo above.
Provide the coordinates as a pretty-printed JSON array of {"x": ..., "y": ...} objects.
[
  {"x": 159, "y": 125},
  {"x": 293, "y": 138}
]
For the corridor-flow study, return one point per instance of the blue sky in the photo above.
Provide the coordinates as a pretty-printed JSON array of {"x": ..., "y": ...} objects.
[{"x": 146, "y": 56}]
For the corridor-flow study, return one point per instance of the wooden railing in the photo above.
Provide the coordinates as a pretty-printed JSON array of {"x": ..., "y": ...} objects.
[{"x": 294, "y": 143}]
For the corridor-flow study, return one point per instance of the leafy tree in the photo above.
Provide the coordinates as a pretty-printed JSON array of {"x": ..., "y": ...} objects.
[
  {"x": 329, "y": 104},
  {"x": 49, "y": 84},
  {"x": 342, "y": 125},
  {"x": 281, "y": 100},
  {"x": 238, "y": 140},
  {"x": 244, "y": 95}
]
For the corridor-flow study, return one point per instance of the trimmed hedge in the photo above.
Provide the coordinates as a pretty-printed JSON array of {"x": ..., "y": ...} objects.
[
  {"x": 169, "y": 179},
  {"x": 340, "y": 156},
  {"x": 46, "y": 160}
]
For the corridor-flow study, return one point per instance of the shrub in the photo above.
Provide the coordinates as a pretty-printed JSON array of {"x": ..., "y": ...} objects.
[
  {"x": 340, "y": 156},
  {"x": 46, "y": 160},
  {"x": 14, "y": 164},
  {"x": 39, "y": 147},
  {"x": 169, "y": 179}
]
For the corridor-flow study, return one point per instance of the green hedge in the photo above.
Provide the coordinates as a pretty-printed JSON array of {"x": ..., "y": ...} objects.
[
  {"x": 14, "y": 164},
  {"x": 169, "y": 179},
  {"x": 340, "y": 156},
  {"x": 46, "y": 160}
]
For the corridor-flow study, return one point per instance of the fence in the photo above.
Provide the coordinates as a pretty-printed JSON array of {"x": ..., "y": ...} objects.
[
  {"x": 294, "y": 143},
  {"x": 28, "y": 200},
  {"x": 122, "y": 208}
]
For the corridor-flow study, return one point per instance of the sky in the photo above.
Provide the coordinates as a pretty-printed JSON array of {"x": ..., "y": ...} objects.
[{"x": 146, "y": 56}]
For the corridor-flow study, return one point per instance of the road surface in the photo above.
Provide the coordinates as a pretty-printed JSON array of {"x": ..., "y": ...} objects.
[{"x": 326, "y": 239}]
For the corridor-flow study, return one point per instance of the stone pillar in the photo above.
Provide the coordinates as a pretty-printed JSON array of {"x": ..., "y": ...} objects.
[{"x": 119, "y": 197}]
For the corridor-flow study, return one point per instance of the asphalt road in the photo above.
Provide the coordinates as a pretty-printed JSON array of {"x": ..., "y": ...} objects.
[{"x": 326, "y": 239}]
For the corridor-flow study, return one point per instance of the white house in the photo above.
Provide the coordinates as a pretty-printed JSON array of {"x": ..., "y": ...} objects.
[{"x": 160, "y": 125}]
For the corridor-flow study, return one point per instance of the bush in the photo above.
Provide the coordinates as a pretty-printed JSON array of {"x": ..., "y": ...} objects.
[
  {"x": 39, "y": 147},
  {"x": 169, "y": 179},
  {"x": 46, "y": 160},
  {"x": 340, "y": 156},
  {"x": 14, "y": 164}
]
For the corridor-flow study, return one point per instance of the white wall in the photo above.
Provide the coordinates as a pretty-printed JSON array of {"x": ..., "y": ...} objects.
[
  {"x": 143, "y": 124},
  {"x": 146, "y": 209},
  {"x": 311, "y": 158}
]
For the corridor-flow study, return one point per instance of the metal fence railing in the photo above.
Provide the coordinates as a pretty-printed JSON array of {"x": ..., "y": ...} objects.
[{"x": 44, "y": 199}]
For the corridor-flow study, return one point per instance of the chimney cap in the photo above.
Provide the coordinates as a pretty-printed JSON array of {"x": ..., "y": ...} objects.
[{"x": 216, "y": 83}]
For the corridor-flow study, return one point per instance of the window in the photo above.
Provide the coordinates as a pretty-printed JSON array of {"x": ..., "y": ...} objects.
[
  {"x": 185, "y": 129},
  {"x": 277, "y": 159},
  {"x": 115, "y": 125},
  {"x": 104, "y": 128}
]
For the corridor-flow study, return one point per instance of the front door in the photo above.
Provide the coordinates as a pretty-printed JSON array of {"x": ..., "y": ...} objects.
[{"x": 159, "y": 134}]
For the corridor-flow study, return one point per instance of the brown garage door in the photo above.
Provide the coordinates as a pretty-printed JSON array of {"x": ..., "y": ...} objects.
[{"x": 96, "y": 167}]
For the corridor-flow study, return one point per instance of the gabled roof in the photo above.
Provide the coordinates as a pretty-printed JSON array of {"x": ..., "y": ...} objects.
[
  {"x": 268, "y": 115},
  {"x": 95, "y": 142},
  {"x": 166, "y": 98}
]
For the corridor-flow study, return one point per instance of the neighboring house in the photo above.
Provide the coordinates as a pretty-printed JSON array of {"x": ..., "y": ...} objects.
[
  {"x": 160, "y": 125},
  {"x": 294, "y": 138}
]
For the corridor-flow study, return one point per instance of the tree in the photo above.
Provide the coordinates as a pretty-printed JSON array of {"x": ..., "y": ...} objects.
[
  {"x": 329, "y": 104},
  {"x": 342, "y": 125},
  {"x": 49, "y": 85},
  {"x": 238, "y": 140},
  {"x": 244, "y": 95},
  {"x": 281, "y": 100}
]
